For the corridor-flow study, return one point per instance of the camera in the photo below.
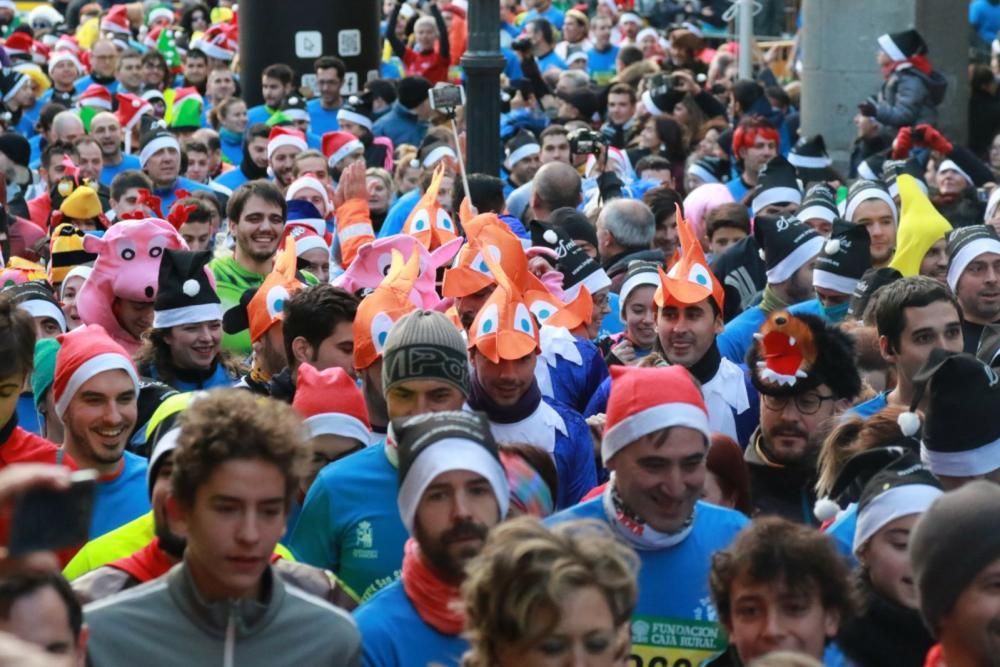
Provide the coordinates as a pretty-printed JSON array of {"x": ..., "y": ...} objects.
[
  {"x": 586, "y": 142},
  {"x": 446, "y": 96},
  {"x": 521, "y": 44}
]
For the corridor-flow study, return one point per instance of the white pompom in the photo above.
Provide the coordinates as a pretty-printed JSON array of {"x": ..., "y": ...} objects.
[
  {"x": 761, "y": 254},
  {"x": 825, "y": 509},
  {"x": 832, "y": 247},
  {"x": 550, "y": 237},
  {"x": 909, "y": 423},
  {"x": 191, "y": 287}
]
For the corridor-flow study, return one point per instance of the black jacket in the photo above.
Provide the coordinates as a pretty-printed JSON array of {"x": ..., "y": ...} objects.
[
  {"x": 886, "y": 633},
  {"x": 785, "y": 491}
]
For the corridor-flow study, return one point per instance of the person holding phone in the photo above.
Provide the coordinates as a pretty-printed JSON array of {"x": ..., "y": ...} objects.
[{"x": 638, "y": 312}]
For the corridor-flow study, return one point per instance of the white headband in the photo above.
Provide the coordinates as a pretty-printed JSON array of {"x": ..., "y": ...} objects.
[
  {"x": 437, "y": 155},
  {"x": 867, "y": 195},
  {"x": 355, "y": 117},
  {"x": 890, "y": 505},
  {"x": 521, "y": 153},
  {"x": 156, "y": 145},
  {"x": 43, "y": 308}
]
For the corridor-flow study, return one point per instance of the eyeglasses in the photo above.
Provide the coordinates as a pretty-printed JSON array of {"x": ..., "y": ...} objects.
[{"x": 807, "y": 404}]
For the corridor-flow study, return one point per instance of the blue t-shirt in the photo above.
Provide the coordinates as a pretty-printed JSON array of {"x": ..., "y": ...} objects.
[
  {"x": 871, "y": 406},
  {"x": 550, "y": 59},
  {"x": 27, "y": 414},
  {"x": 322, "y": 120},
  {"x": 232, "y": 179},
  {"x": 737, "y": 188},
  {"x": 84, "y": 81},
  {"x": 108, "y": 172},
  {"x": 394, "y": 635},
  {"x": 675, "y": 622},
  {"x": 350, "y": 522},
  {"x": 259, "y": 114},
  {"x": 121, "y": 499},
  {"x": 555, "y": 17},
  {"x": 736, "y": 338},
  {"x": 399, "y": 212},
  {"x": 601, "y": 64}
]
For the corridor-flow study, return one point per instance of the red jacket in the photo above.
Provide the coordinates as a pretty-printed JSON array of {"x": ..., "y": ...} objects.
[
  {"x": 25, "y": 447},
  {"x": 432, "y": 66},
  {"x": 39, "y": 209}
]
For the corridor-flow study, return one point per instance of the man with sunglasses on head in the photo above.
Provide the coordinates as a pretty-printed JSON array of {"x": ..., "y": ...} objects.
[{"x": 805, "y": 373}]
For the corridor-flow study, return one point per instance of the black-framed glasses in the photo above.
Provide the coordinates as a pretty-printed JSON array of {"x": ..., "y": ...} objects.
[{"x": 808, "y": 403}]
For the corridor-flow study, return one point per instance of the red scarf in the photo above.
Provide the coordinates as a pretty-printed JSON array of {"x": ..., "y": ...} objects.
[
  {"x": 919, "y": 62},
  {"x": 433, "y": 599},
  {"x": 935, "y": 657},
  {"x": 147, "y": 563}
]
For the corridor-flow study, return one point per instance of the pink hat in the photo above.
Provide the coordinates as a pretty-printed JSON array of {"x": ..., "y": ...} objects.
[
  {"x": 634, "y": 411},
  {"x": 283, "y": 136},
  {"x": 338, "y": 145},
  {"x": 331, "y": 404},
  {"x": 701, "y": 201},
  {"x": 86, "y": 351}
]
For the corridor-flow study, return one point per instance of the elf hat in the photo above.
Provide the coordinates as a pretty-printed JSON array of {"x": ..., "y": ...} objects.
[
  {"x": 284, "y": 136},
  {"x": 690, "y": 280},
  {"x": 330, "y": 403},
  {"x": 778, "y": 184},
  {"x": 519, "y": 147},
  {"x": 357, "y": 109},
  {"x": 634, "y": 411},
  {"x": 787, "y": 245},
  {"x": 267, "y": 306},
  {"x": 309, "y": 181},
  {"x": 186, "y": 294},
  {"x": 440, "y": 442},
  {"x": 302, "y": 212},
  {"x": 845, "y": 258},
  {"x": 862, "y": 191},
  {"x": 578, "y": 268},
  {"x": 383, "y": 307},
  {"x": 961, "y": 434},
  {"x": 156, "y": 141},
  {"x": 305, "y": 237},
  {"x": 86, "y": 351},
  {"x": 429, "y": 222},
  {"x": 811, "y": 161},
  {"x": 294, "y": 107},
  {"x": 965, "y": 244},
  {"x": 792, "y": 354},
  {"x": 36, "y": 298},
  {"x": 903, "y": 488},
  {"x": 339, "y": 144},
  {"x": 903, "y": 45},
  {"x": 485, "y": 233},
  {"x": 504, "y": 327},
  {"x": 820, "y": 202},
  {"x": 82, "y": 204},
  {"x": 186, "y": 109},
  {"x": 920, "y": 226},
  {"x": 116, "y": 21}
]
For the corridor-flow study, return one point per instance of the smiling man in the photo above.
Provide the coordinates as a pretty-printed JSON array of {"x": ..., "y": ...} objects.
[
  {"x": 655, "y": 444},
  {"x": 236, "y": 469},
  {"x": 107, "y": 130},
  {"x": 95, "y": 390}
]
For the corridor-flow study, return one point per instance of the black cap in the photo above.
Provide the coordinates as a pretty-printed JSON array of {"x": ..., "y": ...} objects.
[
  {"x": 870, "y": 282},
  {"x": 413, "y": 91},
  {"x": 845, "y": 257},
  {"x": 778, "y": 184}
]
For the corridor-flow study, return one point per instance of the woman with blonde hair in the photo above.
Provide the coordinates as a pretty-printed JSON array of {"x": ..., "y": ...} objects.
[{"x": 537, "y": 596}]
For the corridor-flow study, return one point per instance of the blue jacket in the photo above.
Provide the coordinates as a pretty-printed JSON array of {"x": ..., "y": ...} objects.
[
  {"x": 574, "y": 384},
  {"x": 401, "y": 125},
  {"x": 232, "y": 179},
  {"x": 220, "y": 377},
  {"x": 399, "y": 212},
  {"x": 736, "y": 338},
  {"x": 121, "y": 498}
]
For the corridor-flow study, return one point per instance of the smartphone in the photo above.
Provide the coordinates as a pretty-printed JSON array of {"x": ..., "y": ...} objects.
[{"x": 53, "y": 519}]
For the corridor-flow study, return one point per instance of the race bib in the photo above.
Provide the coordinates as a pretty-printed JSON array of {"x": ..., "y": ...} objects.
[{"x": 670, "y": 642}]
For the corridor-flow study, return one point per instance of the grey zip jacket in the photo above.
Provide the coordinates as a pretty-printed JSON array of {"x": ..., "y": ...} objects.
[{"x": 166, "y": 623}]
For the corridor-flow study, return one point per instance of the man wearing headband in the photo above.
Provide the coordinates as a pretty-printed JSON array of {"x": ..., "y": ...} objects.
[
  {"x": 974, "y": 277},
  {"x": 160, "y": 158}
]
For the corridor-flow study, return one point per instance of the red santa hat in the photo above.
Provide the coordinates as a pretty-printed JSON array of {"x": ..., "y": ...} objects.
[
  {"x": 116, "y": 21},
  {"x": 283, "y": 136},
  {"x": 331, "y": 404},
  {"x": 65, "y": 55},
  {"x": 86, "y": 351},
  {"x": 338, "y": 145},
  {"x": 67, "y": 43},
  {"x": 220, "y": 41},
  {"x": 19, "y": 44},
  {"x": 306, "y": 238},
  {"x": 311, "y": 182},
  {"x": 634, "y": 411},
  {"x": 130, "y": 109},
  {"x": 97, "y": 96}
]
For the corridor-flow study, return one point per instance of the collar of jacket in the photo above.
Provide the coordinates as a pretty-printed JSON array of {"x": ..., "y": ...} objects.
[
  {"x": 249, "y": 616},
  {"x": 403, "y": 111}
]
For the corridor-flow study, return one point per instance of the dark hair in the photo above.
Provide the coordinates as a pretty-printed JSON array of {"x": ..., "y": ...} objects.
[
  {"x": 258, "y": 131},
  {"x": 746, "y": 93},
  {"x": 279, "y": 71},
  {"x": 196, "y": 54},
  {"x": 980, "y": 77},
  {"x": 48, "y": 114},
  {"x": 15, "y": 586},
  {"x": 128, "y": 179},
  {"x": 382, "y": 89},
  {"x": 485, "y": 193},
  {"x": 671, "y": 136},
  {"x": 228, "y": 424},
  {"x": 327, "y": 62},
  {"x": 207, "y": 198},
  {"x": 912, "y": 292},
  {"x": 17, "y": 338},
  {"x": 201, "y": 213},
  {"x": 774, "y": 550},
  {"x": 629, "y": 55},
  {"x": 128, "y": 54},
  {"x": 155, "y": 351},
  {"x": 731, "y": 215},
  {"x": 725, "y": 461},
  {"x": 155, "y": 57},
  {"x": 662, "y": 201},
  {"x": 193, "y": 146},
  {"x": 187, "y": 17},
  {"x": 543, "y": 26},
  {"x": 314, "y": 312},
  {"x": 778, "y": 94},
  {"x": 651, "y": 163},
  {"x": 57, "y": 148},
  {"x": 266, "y": 190},
  {"x": 623, "y": 89}
]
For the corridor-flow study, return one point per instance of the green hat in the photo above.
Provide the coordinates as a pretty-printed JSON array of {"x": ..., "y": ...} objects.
[
  {"x": 167, "y": 45},
  {"x": 187, "y": 109},
  {"x": 45, "y": 368}
]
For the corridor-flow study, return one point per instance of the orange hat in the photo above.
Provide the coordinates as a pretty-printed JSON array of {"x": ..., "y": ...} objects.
[
  {"x": 470, "y": 273},
  {"x": 429, "y": 223},
  {"x": 383, "y": 307},
  {"x": 266, "y": 307},
  {"x": 690, "y": 280},
  {"x": 504, "y": 327},
  {"x": 552, "y": 312}
]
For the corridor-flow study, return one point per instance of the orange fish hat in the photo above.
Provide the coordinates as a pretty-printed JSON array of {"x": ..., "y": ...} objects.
[
  {"x": 378, "y": 311},
  {"x": 504, "y": 327},
  {"x": 267, "y": 305},
  {"x": 486, "y": 233},
  {"x": 550, "y": 311},
  {"x": 429, "y": 223},
  {"x": 690, "y": 280}
]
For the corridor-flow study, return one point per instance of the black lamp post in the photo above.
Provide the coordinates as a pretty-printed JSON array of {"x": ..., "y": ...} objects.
[{"x": 483, "y": 63}]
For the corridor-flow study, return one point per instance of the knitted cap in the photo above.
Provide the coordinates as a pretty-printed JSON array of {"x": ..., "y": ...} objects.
[
  {"x": 86, "y": 351},
  {"x": 36, "y": 298},
  {"x": 820, "y": 202},
  {"x": 639, "y": 274},
  {"x": 954, "y": 540},
  {"x": 903, "y": 488},
  {"x": 331, "y": 403},
  {"x": 425, "y": 345},
  {"x": 965, "y": 245},
  {"x": 862, "y": 191},
  {"x": 412, "y": 91}
]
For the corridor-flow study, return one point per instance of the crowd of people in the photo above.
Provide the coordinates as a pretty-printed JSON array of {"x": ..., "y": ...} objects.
[{"x": 670, "y": 389}]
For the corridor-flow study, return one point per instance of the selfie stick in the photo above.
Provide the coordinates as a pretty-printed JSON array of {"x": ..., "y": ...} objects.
[{"x": 450, "y": 112}]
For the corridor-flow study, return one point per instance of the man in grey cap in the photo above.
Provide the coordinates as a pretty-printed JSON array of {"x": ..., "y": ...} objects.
[
  {"x": 955, "y": 554},
  {"x": 350, "y": 522}
]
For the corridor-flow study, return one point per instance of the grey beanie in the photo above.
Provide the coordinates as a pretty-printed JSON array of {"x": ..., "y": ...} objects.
[
  {"x": 425, "y": 345},
  {"x": 954, "y": 540}
]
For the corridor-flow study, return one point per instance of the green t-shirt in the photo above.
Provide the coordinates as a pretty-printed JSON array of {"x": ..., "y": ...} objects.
[{"x": 231, "y": 281}]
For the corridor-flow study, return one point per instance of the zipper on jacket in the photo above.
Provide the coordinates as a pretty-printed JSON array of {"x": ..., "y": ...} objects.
[{"x": 229, "y": 658}]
